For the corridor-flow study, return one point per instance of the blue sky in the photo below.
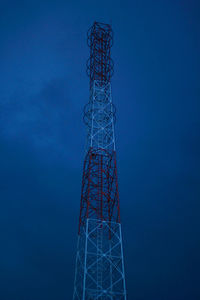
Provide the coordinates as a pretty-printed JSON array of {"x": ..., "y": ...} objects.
[{"x": 43, "y": 90}]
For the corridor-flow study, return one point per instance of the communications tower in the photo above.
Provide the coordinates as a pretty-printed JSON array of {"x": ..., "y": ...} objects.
[{"x": 99, "y": 262}]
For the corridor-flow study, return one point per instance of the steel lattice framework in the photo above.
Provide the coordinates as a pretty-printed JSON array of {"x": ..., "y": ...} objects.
[{"x": 99, "y": 262}]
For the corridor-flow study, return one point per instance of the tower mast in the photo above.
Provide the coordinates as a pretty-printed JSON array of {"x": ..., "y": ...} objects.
[{"x": 99, "y": 262}]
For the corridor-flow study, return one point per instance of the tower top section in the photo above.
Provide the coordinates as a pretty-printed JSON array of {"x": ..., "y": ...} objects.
[
  {"x": 100, "y": 64},
  {"x": 99, "y": 113}
]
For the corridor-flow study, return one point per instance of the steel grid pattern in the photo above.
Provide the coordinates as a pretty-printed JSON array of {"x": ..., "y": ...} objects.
[
  {"x": 99, "y": 116},
  {"x": 99, "y": 262}
]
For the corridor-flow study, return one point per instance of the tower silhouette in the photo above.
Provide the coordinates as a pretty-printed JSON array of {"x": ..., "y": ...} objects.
[{"x": 99, "y": 262}]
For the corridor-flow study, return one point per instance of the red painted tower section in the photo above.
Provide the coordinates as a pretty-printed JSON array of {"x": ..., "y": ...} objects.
[{"x": 100, "y": 196}]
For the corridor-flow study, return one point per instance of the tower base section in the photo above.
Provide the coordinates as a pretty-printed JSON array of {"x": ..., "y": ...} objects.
[{"x": 99, "y": 262}]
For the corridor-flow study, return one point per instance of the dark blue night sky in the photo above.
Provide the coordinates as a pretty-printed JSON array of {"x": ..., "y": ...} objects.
[{"x": 43, "y": 88}]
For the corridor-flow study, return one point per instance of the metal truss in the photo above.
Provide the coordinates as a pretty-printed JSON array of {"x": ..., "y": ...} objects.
[
  {"x": 99, "y": 195},
  {"x": 100, "y": 64},
  {"x": 99, "y": 116},
  {"x": 99, "y": 263}
]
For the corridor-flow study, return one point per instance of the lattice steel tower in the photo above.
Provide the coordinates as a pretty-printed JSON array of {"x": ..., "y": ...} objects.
[{"x": 99, "y": 262}]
